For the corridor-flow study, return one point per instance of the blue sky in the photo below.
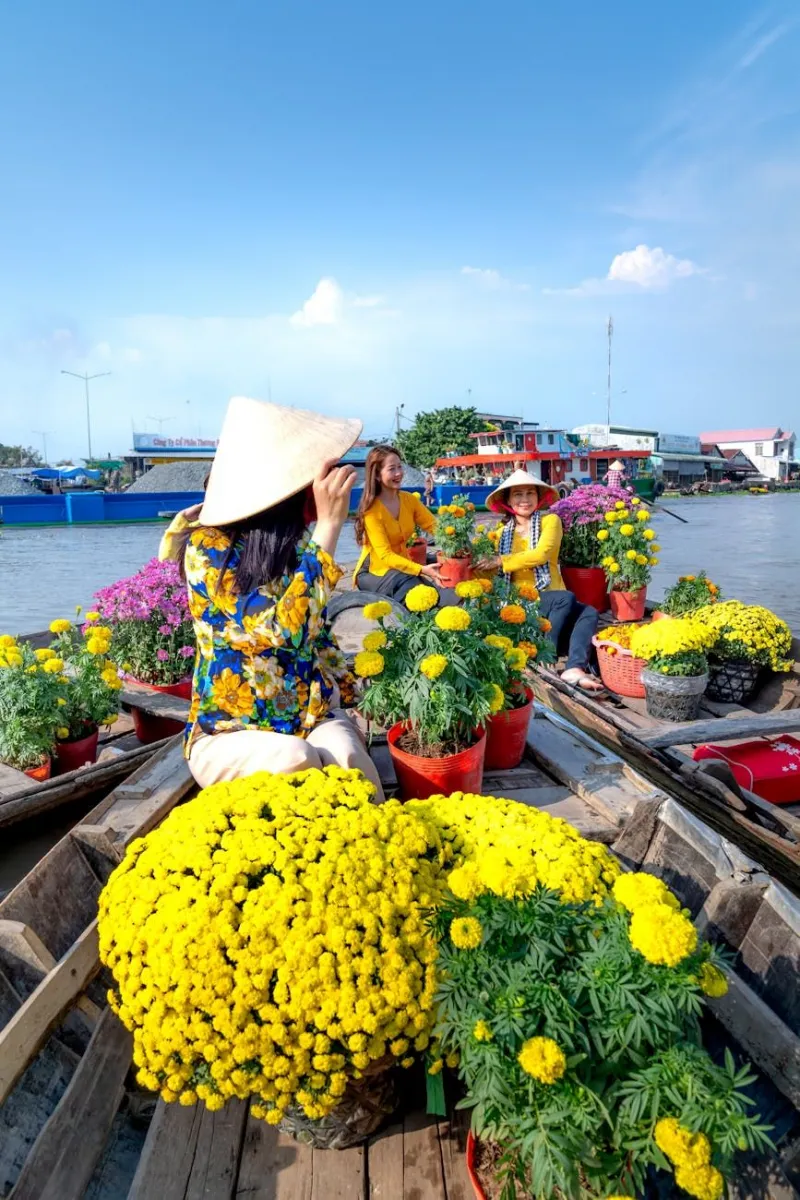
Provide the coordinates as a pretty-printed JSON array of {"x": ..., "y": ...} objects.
[{"x": 353, "y": 206}]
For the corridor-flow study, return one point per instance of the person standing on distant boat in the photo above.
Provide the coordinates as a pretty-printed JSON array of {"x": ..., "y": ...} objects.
[
  {"x": 386, "y": 522},
  {"x": 429, "y": 488},
  {"x": 529, "y": 547}
]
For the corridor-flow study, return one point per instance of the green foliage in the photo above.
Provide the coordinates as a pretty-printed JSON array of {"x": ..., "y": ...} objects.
[
  {"x": 531, "y": 634},
  {"x": 29, "y": 708},
  {"x": 92, "y": 694},
  {"x": 19, "y": 456},
  {"x": 690, "y": 593},
  {"x": 435, "y": 434},
  {"x": 629, "y": 1031},
  {"x": 455, "y": 527}
]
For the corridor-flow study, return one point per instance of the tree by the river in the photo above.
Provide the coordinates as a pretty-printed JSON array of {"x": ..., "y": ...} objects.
[
  {"x": 19, "y": 456},
  {"x": 434, "y": 434}
]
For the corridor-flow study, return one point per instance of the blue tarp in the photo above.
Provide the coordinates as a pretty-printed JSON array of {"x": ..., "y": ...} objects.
[{"x": 72, "y": 473}]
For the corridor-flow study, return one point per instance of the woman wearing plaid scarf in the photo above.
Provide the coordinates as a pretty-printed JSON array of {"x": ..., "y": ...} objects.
[{"x": 528, "y": 551}]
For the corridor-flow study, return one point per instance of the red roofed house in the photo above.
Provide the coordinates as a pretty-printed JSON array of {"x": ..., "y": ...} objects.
[{"x": 771, "y": 449}]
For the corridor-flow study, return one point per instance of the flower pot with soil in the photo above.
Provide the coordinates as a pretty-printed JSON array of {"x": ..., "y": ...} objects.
[
  {"x": 627, "y": 606},
  {"x": 732, "y": 681},
  {"x": 506, "y": 734},
  {"x": 455, "y": 526},
  {"x": 32, "y": 697},
  {"x": 432, "y": 683},
  {"x": 676, "y": 672},
  {"x": 77, "y": 752},
  {"x": 41, "y": 772},
  {"x": 629, "y": 555},
  {"x": 150, "y": 728},
  {"x": 418, "y": 552},
  {"x": 588, "y": 585}
]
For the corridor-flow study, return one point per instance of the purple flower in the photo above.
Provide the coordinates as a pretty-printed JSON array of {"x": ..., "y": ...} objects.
[
  {"x": 165, "y": 630},
  {"x": 162, "y": 655},
  {"x": 186, "y": 652}
]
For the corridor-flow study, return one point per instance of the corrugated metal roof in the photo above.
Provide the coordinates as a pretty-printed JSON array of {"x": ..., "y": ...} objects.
[{"x": 744, "y": 435}]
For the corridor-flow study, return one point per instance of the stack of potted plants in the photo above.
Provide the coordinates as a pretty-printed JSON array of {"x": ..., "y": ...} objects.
[
  {"x": 676, "y": 675},
  {"x": 507, "y": 616},
  {"x": 582, "y": 514},
  {"x": 432, "y": 683},
  {"x": 745, "y": 639},
  {"x": 455, "y": 527},
  {"x": 629, "y": 554},
  {"x": 687, "y": 595},
  {"x": 31, "y": 701},
  {"x": 152, "y": 638}
]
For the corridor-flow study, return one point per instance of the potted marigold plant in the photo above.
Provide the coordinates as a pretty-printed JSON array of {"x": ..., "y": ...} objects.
[
  {"x": 629, "y": 553},
  {"x": 31, "y": 704},
  {"x": 582, "y": 514},
  {"x": 746, "y": 638},
  {"x": 687, "y": 595},
  {"x": 152, "y": 638},
  {"x": 91, "y": 689},
  {"x": 576, "y": 1023},
  {"x": 676, "y": 675},
  {"x": 507, "y": 617},
  {"x": 433, "y": 684},
  {"x": 455, "y": 527}
]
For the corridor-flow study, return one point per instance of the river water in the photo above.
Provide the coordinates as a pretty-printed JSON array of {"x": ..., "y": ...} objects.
[{"x": 749, "y": 545}]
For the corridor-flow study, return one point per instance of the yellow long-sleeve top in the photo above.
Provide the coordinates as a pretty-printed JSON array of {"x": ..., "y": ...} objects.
[
  {"x": 387, "y": 537},
  {"x": 519, "y": 564},
  {"x": 175, "y": 537}
]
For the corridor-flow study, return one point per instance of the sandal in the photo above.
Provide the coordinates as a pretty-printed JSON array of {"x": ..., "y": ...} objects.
[{"x": 583, "y": 681}]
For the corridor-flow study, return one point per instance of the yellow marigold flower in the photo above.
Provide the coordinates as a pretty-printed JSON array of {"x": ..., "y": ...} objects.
[
  {"x": 487, "y": 587},
  {"x": 62, "y": 734},
  {"x": 641, "y": 560},
  {"x": 653, "y": 562},
  {"x": 482, "y": 1032},
  {"x": 469, "y": 589},
  {"x": 643, "y": 515},
  {"x": 377, "y": 610},
  {"x": 497, "y": 699},
  {"x": 613, "y": 568},
  {"x": 634, "y": 889},
  {"x": 626, "y": 530},
  {"x": 466, "y": 933},
  {"x": 528, "y": 591},
  {"x": 450, "y": 530},
  {"x": 432, "y": 666},
  {"x": 543, "y": 1059},
  {"x": 610, "y": 517},
  {"x": 602, "y": 535},
  {"x": 61, "y": 702},
  {"x": 43, "y": 655},
  {"x": 421, "y": 598},
  {"x": 92, "y": 616},
  {"x": 368, "y": 663},
  {"x": 97, "y": 645},
  {"x": 375, "y": 640},
  {"x": 655, "y": 549},
  {"x": 622, "y": 513},
  {"x": 452, "y": 618},
  {"x": 619, "y": 504},
  {"x": 7, "y": 640},
  {"x": 458, "y": 511},
  {"x": 499, "y": 642},
  {"x": 436, "y": 1067},
  {"x": 53, "y": 666},
  {"x": 465, "y": 883},
  {"x": 60, "y": 626},
  {"x": 662, "y": 935},
  {"x": 631, "y": 555},
  {"x": 517, "y": 659},
  {"x": 443, "y": 509},
  {"x": 706, "y": 1182},
  {"x": 530, "y": 649},
  {"x": 634, "y": 501},
  {"x": 512, "y": 614},
  {"x": 649, "y": 534},
  {"x": 712, "y": 980}
]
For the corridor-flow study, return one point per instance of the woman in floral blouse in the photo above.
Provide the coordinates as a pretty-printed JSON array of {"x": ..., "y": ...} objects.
[{"x": 268, "y": 671}]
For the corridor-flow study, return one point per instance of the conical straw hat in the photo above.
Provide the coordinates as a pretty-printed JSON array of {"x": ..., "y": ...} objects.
[
  {"x": 496, "y": 499},
  {"x": 267, "y": 453}
]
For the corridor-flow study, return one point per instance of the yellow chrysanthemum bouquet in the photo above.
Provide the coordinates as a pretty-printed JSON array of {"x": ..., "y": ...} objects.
[
  {"x": 628, "y": 544},
  {"x": 576, "y": 1023},
  {"x": 747, "y": 633},
  {"x": 675, "y": 647},
  {"x": 430, "y": 673}
]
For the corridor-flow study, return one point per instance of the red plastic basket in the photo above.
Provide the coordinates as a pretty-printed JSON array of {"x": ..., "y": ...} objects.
[{"x": 620, "y": 671}]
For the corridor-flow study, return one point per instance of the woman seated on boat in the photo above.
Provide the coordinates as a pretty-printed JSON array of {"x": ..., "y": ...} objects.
[
  {"x": 385, "y": 525},
  {"x": 268, "y": 670},
  {"x": 529, "y": 546}
]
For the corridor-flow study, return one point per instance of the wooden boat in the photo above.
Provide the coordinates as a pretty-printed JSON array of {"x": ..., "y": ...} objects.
[{"x": 73, "y": 1123}]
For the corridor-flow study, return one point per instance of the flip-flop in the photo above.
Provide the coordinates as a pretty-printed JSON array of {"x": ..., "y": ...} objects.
[{"x": 585, "y": 682}]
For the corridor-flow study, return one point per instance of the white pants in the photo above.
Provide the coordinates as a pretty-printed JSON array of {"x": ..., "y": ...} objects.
[{"x": 336, "y": 742}]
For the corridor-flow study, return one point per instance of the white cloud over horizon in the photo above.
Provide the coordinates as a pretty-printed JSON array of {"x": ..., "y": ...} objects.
[{"x": 643, "y": 268}]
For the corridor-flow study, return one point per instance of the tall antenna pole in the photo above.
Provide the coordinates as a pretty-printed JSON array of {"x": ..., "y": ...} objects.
[{"x": 608, "y": 405}]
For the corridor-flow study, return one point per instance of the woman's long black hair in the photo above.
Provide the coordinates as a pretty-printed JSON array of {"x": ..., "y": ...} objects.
[{"x": 267, "y": 542}]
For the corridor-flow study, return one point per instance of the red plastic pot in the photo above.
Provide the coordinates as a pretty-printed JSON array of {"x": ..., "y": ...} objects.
[
  {"x": 454, "y": 570},
  {"x": 420, "y": 777},
  {"x": 40, "y": 773},
  {"x": 588, "y": 585},
  {"x": 628, "y": 606},
  {"x": 151, "y": 729},
  {"x": 505, "y": 737},
  {"x": 658, "y": 615},
  {"x": 418, "y": 553},
  {"x": 473, "y": 1174},
  {"x": 72, "y": 755}
]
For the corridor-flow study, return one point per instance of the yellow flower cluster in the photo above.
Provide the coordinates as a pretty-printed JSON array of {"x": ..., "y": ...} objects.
[
  {"x": 482, "y": 1032},
  {"x": 663, "y": 935},
  {"x": 500, "y": 846},
  {"x": 712, "y": 981},
  {"x": 453, "y": 619},
  {"x": 498, "y": 699},
  {"x": 466, "y": 933},
  {"x": 433, "y": 666},
  {"x": 676, "y": 636},
  {"x": 636, "y": 889},
  {"x": 690, "y": 1155},
  {"x": 60, "y": 626},
  {"x": 375, "y": 640},
  {"x": 747, "y": 631},
  {"x": 419, "y": 599},
  {"x": 512, "y": 614},
  {"x": 269, "y": 940},
  {"x": 377, "y": 610},
  {"x": 469, "y": 589},
  {"x": 542, "y": 1059},
  {"x": 453, "y": 510},
  {"x": 619, "y": 635},
  {"x": 499, "y": 642},
  {"x": 368, "y": 663}
]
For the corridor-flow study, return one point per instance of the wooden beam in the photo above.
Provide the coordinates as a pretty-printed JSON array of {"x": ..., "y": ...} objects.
[
  {"x": 28, "y": 1028},
  {"x": 191, "y": 1153},
  {"x": 762, "y": 1034},
  {"x": 23, "y": 953},
  {"x": 156, "y": 704},
  {"x": 720, "y": 729},
  {"x": 64, "y": 1155}
]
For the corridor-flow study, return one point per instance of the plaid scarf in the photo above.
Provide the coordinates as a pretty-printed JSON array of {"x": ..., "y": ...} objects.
[{"x": 541, "y": 574}]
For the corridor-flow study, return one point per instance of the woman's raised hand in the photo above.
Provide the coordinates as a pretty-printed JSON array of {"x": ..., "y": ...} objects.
[{"x": 332, "y": 488}]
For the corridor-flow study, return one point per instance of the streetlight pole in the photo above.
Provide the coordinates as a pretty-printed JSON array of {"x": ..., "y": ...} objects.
[
  {"x": 42, "y": 433},
  {"x": 608, "y": 407},
  {"x": 86, "y": 380}
]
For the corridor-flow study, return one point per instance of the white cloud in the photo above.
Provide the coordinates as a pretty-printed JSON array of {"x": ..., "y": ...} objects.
[
  {"x": 368, "y": 301},
  {"x": 650, "y": 268},
  {"x": 325, "y": 306},
  {"x": 763, "y": 43},
  {"x": 490, "y": 278}
]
